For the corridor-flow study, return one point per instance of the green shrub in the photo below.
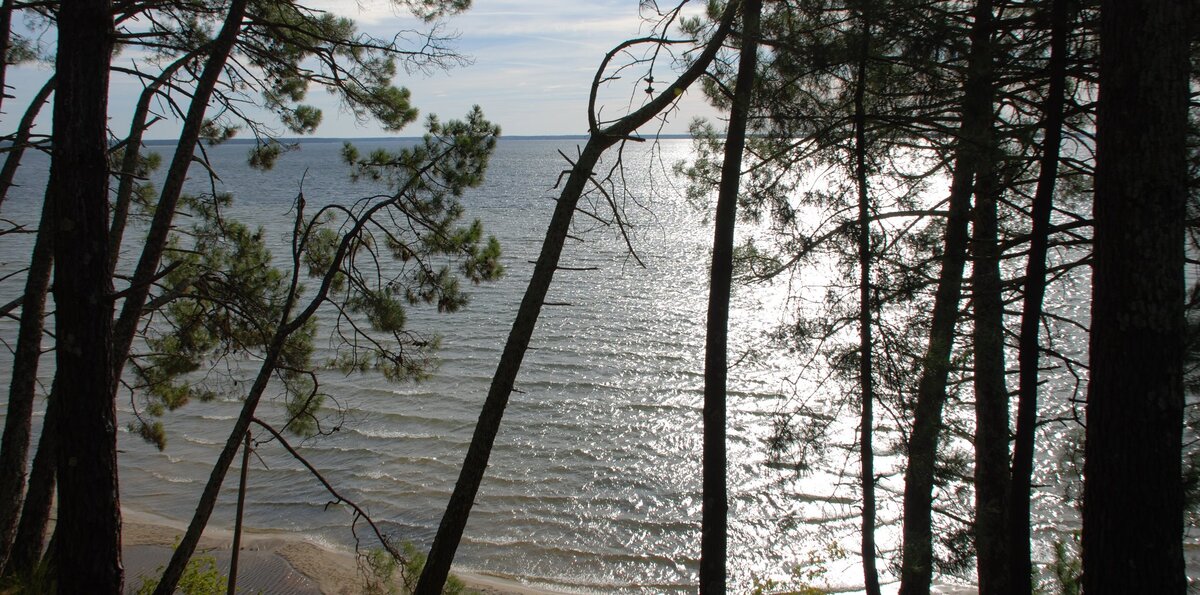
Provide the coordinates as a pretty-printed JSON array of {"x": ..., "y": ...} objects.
[
  {"x": 200, "y": 577},
  {"x": 414, "y": 562}
]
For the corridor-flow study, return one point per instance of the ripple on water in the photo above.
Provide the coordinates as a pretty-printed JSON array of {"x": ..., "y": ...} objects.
[{"x": 594, "y": 481}]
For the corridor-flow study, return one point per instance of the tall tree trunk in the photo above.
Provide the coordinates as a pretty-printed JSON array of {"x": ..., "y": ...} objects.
[
  {"x": 39, "y": 498},
  {"x": 21, "y": 141},
  {"x": 458, "y": 509},
  {"x": 866, "y": 376},
  {"x": 715, "y": 505},
  {"x": 1132, "y": 490},
  {"x": 916, "y": 566},
  {"x": 1020, "y": 563},
  {"x": 164, "y": 212},
  {"x": 14, "y": 447},
  {"x": 991, "y": 391},
  {"x": 89, "y": 513}
]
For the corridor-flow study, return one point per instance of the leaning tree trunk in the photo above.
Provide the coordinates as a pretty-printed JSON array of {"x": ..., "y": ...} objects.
[
  {"x": 714, "y": 533},
  {"x": 164, "y": 211},
  {"x": 286, "y": 327},
  {"x": 916, "y": 566},
  {"x": 14, "y": 447},
  {"x": 39, "y": 498},
  {"x": 132, "y": 156},
  {"x": 89, "y": 514},
  {"x": 454, "y": 520},
  {"x": 1132, "y": 486},
  {"x": 21, "y": 140},
  {"x": 1020, "y": 564}
]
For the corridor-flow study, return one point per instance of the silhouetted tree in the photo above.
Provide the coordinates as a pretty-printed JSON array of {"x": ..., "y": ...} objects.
[
  {"x": 89, "y": 513},
  {"x": 1133, "y": 491},
  {"x": 458, "y": 509}
]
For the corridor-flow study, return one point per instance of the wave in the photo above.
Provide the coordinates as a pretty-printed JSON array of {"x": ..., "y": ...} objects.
[
  {"x": 172, "y": 478},
  {"x": 202, "y": 441}
]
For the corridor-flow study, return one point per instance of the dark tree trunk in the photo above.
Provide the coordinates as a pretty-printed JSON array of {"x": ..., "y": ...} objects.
[
  {"x": 1020, "y": 563},
  {"x": 714, "y": 521},
  {"x": 14, "y": 447},
  {"x": 991, "y": 391},
  {"x": 236, "y": 548},
  {"x": 1133, "y": 491},
  {"x": 6, "y": 14},
  {"x": 454, "y": 519},
  {"x": 866, "y": 376},
  {"x": 39, "y": 498},
  {"x": 916, "y": 566},
  {"x": 89, "y": 513},
  {"x": 21, "y": 140},
  {"x": 212, "y": 489},
  {"x": 164, "y": 212}
]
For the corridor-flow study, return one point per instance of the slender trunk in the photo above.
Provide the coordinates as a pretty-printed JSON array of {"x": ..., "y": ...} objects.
[
  {"x": 916, "y": 566},
  {"x": 287, "y": 325},
  {"x": 1020, "y": 563},
  {"x": 208, "y": 497},
  {"x": 991, "y": 391},
  {"x": 1132, "y": 487},
  {"x": 237, "y": 521},
  {"x": 866, "y": 378},
  {"x": 714, "y": 520},
  {"x": 39, "y": 498},
  {"x": 89, "y": 513},
  {"x": 131, "y": 157},
  {"x": 164, "y": 213},
  {"x": 6, "y": 14},
  {"x": 454, "y": 520},
  {"x": 21, "y": 140},
  {"x": 14, "y": 447}
]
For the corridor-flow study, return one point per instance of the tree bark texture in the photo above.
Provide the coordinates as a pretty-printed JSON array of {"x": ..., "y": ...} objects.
[
  {"x": 1017, "y": 534},
  {"x": 1133, "y": 492},
  {"x": 916, "y": 566},
  {"x": 714, "y": 521},
  {"x": 89, "y": 514},
  {"x": 458, "y": 509}
]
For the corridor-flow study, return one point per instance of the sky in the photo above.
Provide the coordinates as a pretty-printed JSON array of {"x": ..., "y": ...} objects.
[{"x": 532, "y": 63}]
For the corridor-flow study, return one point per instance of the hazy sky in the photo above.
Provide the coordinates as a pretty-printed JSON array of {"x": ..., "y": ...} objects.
[{"x": 532, "y": 65}]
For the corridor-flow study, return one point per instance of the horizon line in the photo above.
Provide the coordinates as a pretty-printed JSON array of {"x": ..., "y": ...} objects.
[{"x": 297, "y": 139}]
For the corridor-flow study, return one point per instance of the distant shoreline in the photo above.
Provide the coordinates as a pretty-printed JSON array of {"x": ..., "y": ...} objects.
[{"x": 331, "y": 139}]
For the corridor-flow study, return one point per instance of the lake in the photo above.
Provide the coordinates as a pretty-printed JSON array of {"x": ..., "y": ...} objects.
[{"x": 594, "y": 484}]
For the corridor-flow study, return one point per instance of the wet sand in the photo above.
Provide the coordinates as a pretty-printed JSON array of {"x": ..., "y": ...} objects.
[{"x": 271, "y": 562}]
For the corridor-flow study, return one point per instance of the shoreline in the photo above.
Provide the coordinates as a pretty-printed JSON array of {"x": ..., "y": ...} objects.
[{"x": 271, "y": 557}]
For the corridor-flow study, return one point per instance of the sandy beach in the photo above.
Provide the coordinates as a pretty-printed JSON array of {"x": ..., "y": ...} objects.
[{"x": 271, "y": 562}]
